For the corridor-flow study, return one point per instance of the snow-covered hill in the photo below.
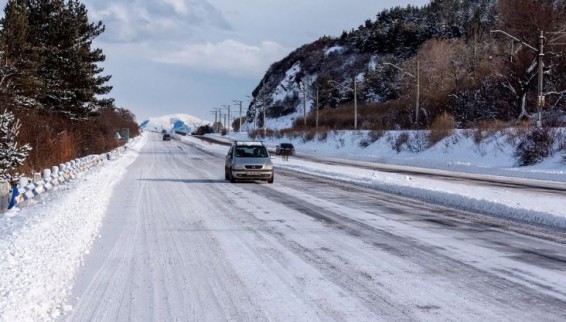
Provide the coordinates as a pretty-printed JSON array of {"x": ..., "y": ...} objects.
[{"x": 173, "y": 123}]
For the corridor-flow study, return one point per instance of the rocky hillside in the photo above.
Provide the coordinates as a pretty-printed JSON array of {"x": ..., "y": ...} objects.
[{"x": 463, "y": 69}]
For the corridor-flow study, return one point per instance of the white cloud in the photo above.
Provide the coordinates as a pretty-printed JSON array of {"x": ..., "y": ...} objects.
[
  {"x": 120, "y": 19},
  {"x": 141, "y": 20},
  {"x": 179, "y": 5},
  {"x": 228, "y": 56}
]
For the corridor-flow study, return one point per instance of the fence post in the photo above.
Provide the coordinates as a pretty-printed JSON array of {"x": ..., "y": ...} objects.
[
  {"x": 13, "y": 201},
  {"x": 4, "y": 195}
]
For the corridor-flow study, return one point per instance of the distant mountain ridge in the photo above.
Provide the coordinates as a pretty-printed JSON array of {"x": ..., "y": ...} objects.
[{"x": 173, "y": 123}]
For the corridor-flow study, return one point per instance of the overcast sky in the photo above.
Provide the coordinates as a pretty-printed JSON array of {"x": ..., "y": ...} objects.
[{"x": 190, "y": 56}]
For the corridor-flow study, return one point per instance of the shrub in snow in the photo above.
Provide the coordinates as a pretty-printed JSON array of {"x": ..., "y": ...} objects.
[
  {"x": 203, "y": 129},
  {"x": 309, "y": 135},
  {"x": 11, "y": 155},
  {"x": 322, "y": 136},
  {"x": 371, "y": 137},
  {"x": 405, "y": 141},
  {"x": 375, "y": 135},
  {"x": 442, "y": 127},
  {"x": 534, "y": 145},
  {"x": 401, "y": 141},
  {"x": 418, "y": 142},
  {"x": 364, "y": 143}
]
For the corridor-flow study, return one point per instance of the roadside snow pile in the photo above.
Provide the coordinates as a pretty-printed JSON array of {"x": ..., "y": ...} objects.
[
  {"x": 465, "y": 151},
  {"x": 42, "y": 247},
  {"x": 493, "y": 157},
  {"x": 538, "y": 209}
]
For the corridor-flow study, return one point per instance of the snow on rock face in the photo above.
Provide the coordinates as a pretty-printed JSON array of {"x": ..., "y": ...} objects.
[{"x": 41, "y": 251}]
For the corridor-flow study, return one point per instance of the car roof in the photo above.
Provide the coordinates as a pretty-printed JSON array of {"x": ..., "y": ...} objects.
[{"x": 248, "y": 143}]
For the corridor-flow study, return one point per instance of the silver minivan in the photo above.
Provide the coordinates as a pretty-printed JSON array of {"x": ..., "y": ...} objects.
[{"x": 248, "y": 161}]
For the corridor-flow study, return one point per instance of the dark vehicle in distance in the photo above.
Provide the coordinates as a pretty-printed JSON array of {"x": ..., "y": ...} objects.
[
  {"x": 166, "y": 137},
  {"x": 285, "y": 148}
]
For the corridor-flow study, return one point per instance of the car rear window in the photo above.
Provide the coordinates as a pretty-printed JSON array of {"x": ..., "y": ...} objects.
[{"x": 251, "y": 152}]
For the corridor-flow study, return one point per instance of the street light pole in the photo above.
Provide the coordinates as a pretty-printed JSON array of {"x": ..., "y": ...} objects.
[{"x": 418, "y": 94}]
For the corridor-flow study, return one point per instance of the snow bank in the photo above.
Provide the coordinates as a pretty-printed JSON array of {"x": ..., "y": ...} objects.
[
  {"x": 41, "y": 250},
  {"x": 455, "y": 155}
]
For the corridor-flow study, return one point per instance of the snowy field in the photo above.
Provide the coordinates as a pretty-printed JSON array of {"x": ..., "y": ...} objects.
[{"x": 43, "y": 245}]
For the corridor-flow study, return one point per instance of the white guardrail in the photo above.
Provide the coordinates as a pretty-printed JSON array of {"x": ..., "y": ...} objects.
[{"x": 50, "y": 178}]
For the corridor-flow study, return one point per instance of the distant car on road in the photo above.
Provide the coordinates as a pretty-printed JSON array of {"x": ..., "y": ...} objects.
[
  {"x": 248, "y": 161},
  {"x": 285, "y": 148},
  {"x": 166, "y": 137}
]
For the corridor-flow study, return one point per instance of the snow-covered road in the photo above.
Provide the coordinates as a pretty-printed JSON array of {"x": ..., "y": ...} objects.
[
  {"x": 159, "y": 235},
  {"x": 179, "y": 243}
]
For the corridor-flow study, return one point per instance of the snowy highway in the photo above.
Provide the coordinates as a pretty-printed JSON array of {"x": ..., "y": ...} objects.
[{"x": 179, "y": 243}]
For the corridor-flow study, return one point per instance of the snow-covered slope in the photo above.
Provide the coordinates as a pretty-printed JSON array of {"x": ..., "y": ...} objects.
[{"x": 173, "y": 123}]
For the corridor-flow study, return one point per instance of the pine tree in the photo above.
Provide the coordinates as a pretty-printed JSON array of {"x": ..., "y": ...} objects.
[
  {"x": 11, "y": 155},
  {"x": 84, "y": 78},
  {"x": 58, "y": 40},
  {"x": 17, "y": 56}
]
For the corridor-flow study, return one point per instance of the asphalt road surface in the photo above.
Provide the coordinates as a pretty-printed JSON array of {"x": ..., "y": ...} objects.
[{"x": 180, "y": 243}]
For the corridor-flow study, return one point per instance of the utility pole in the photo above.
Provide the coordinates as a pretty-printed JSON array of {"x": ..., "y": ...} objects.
[
  {"x": 355, "y": 103},
  {"x": 240, "y": 103},
  {"x": 227, "y": 121},
  {"x": 255, "y": 118},
  {"x": 540, "y": 51},
  {"x": 304, "y": 104},
  {"x": 215, "y": 125},
  {"x": 354, "y": 88},
  {"x": 418, "y": 89},
  {"x": 264, "y": 108},
  {"x": 252, "y": 101},
  {"x": 220, "y": 119},
  {"x": 418, "y": 99},
  {"x": 316, "y": 126},
  {"x": 540, "y": 100}
]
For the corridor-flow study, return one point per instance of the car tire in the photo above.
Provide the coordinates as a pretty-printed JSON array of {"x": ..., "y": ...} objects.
[
  {"x": 271, "y": 180},
  {"x": 226, "y": 177},
  {"x": 232, "y": 179}
]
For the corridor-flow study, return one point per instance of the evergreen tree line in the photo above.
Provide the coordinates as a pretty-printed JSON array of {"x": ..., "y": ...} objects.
[
  {"x": 465, "y": 69},
  {"x": 52, "y": 81}
]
